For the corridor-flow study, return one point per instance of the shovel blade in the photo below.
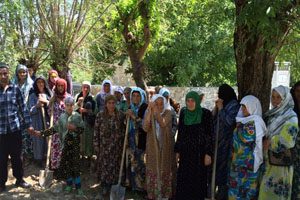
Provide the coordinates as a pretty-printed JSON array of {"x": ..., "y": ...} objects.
[
  {"x": 45, "y": 178},
  {"x": 117, "y": 192}
]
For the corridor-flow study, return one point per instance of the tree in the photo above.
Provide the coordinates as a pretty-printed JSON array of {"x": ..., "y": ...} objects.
[
  {"x": 194, "y": 46},
  {"x": 261, "y": 29},
  {"x": 137, "y": 21}
]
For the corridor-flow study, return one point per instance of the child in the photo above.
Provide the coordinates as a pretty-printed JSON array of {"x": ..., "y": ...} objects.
[{"x": 69, "y": 126}]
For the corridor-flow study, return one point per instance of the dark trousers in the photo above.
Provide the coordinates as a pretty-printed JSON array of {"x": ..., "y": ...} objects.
[{"x": 10, "y": 145}]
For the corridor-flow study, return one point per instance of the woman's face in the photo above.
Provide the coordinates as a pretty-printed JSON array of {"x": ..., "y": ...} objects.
[
  {"x": 106, "y": 88},
  {"x": 245, "y": 111},
  {"x": 136, "y": 98},
  {"x": 275, "y": 99},
  {"x": 41, "y": 85},
  {"x": 111, "y": 105},
  {"x": 22, "y": 74},
  {"x": 69, "y": 108},
  {"x": 53, "y": 77},
  {"x": 159, "y": 103},
  {"x": 297, "y": 94},
  {"x": 127, "y": 95},
  {"x": 85, "y": 89},
  {"x": 191, "y": 104},
  {"x": 60, "y": 88}
]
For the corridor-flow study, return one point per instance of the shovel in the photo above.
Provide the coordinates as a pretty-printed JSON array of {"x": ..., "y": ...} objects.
[
  {"x": 117, "y": 192},
  {"x": 213, "y": 178},
  {"x": 46, "y": 176}
]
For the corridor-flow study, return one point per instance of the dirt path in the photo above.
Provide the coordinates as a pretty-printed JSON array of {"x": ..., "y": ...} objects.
[{"x": 89, "y": 186}]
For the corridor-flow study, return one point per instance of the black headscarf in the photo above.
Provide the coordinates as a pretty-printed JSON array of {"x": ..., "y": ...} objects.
[
  {"x": 226, "y": 93},
  {"x": 36, "y": 89},
  {"x": 296, "y": 108}
]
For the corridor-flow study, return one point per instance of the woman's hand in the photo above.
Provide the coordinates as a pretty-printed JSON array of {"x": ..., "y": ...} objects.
[
  {"x": 71, "y": 127},
  {"x": 207, "y": 160}
]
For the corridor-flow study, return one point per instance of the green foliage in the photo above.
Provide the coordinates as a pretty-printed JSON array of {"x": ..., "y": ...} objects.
[{"x": 194, "y": 46}]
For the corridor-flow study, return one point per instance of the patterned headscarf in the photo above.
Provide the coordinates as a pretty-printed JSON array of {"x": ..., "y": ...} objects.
[
  {"x": 277, "y": 116},
  {"x": 25, "y": 88},
  {"x": 50, "y": 82}
]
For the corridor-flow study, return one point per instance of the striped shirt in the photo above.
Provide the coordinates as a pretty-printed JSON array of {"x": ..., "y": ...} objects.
[{"x": 14, "y": 115}]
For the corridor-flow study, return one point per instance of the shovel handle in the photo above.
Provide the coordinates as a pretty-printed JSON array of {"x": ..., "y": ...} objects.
[
  {"x": 50, "y": 139},
  {"x": 124, "y": 149},
  {"x": 213, "y": 178}
]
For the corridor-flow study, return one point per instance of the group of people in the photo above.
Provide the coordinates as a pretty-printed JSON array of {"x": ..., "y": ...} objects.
[{"x": 166, "y": 157}]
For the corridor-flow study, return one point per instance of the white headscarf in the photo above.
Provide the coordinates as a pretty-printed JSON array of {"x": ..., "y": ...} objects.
[
  {"x": 102, "y": 87},
  {"x": 254, "y": 108},
  {"x": 157, "y": 127},
  {"x": 277, "y": 116}
]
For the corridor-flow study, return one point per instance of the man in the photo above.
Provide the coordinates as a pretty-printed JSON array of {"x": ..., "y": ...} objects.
[{"x": 14, "y": 117}]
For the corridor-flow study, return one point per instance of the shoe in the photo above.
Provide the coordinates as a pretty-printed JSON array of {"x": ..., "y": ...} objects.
[
  {"x": 22, "y": 184},
  {"x": 68, "y": 188},
  {"x": 80, "y": 192},
  {"x": 2, "y": 189}
]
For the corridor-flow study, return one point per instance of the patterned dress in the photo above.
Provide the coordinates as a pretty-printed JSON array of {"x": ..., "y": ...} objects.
[
  {"x": 166, "y": 158},
  {"x": 193, "y": 142},
  {"x": 108, "y": 139},
  {"x": 56, "y": 146},
  {"x": 277, "y": 180},
  {"x": 70, "y": 160},
  {"x": 242, "y": 178}
]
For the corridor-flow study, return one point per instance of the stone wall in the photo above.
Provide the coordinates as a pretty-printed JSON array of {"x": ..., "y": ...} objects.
[{"x": 178, "y": 93}]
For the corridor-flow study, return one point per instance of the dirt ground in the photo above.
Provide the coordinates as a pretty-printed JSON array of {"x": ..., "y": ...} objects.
[{"x": 31, "y": 175}]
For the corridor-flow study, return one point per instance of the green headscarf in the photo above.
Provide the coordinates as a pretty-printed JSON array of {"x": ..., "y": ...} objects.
[{"x": 195, "y": 116}]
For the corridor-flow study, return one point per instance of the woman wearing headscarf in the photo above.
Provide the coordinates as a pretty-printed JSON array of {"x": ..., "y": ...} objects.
[
  {"x": 109, "y": 135},
  {"x": 136, "y": 141},
  {"x": 86, "y": 105},
  {"x": 163, "y": 140},
  {"x": 52, "y": 77},
  {"x": 247, "y": 150},
  {"x": 38, "y": 104},
  {"x": 226, "y": 109},
  {"x": 282, "y": 125},
  {"x": 193, "y": 149},
  {"x": 125, "y": 104},
  {"x": 295, "y": 91},
  {"x": 106, "y": 89},
  {"x": 56, "y": 108},
  {"x": 24, "y": 82}
]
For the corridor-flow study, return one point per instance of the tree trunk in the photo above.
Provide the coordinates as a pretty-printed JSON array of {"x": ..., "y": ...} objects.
[{"x": 256, "y": 51}]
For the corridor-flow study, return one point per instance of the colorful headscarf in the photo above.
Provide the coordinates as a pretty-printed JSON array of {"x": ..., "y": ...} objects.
[
  {"x": 193, "y": 116},
  {"x": 62, "y": 95},
  {"x": 254, "y": 108},
  {"x": 50, "y": 82},
  {"x": 143, "y": 99},
  {"x": 277, "y": 116},
  {"x": 164, "y": 92}
]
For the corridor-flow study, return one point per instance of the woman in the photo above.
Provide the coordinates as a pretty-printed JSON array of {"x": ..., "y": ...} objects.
[
  {"x": 163, "y": 139},
  {"x": 85, "y": 105},
  {"x": 247, "y": 150},
  {"x": 126, "y": 102},
  {"x": 108, "y": 143},
  {"x": 295, "y": 91},
  {"x": 225, "y": 111},
  {"x": 282, "y": 125},
  {"x": 38, "y": 104},
  {"x": 23, "y": 80},
  {"x": 56, "y": 108},
  {"x": 193, "y": 149},
  {"x": 137, "y": 140},
  {"x": 106, "y": 89},
  {"x": 52, "y": 77}
]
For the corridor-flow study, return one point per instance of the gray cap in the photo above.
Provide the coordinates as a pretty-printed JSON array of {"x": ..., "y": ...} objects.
[{"x": 3, "y": 65}]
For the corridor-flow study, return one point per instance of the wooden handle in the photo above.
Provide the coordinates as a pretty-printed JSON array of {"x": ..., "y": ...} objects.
[
  {"x": 50, "y": 139},
  {"x": 124, "y": 149}
]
